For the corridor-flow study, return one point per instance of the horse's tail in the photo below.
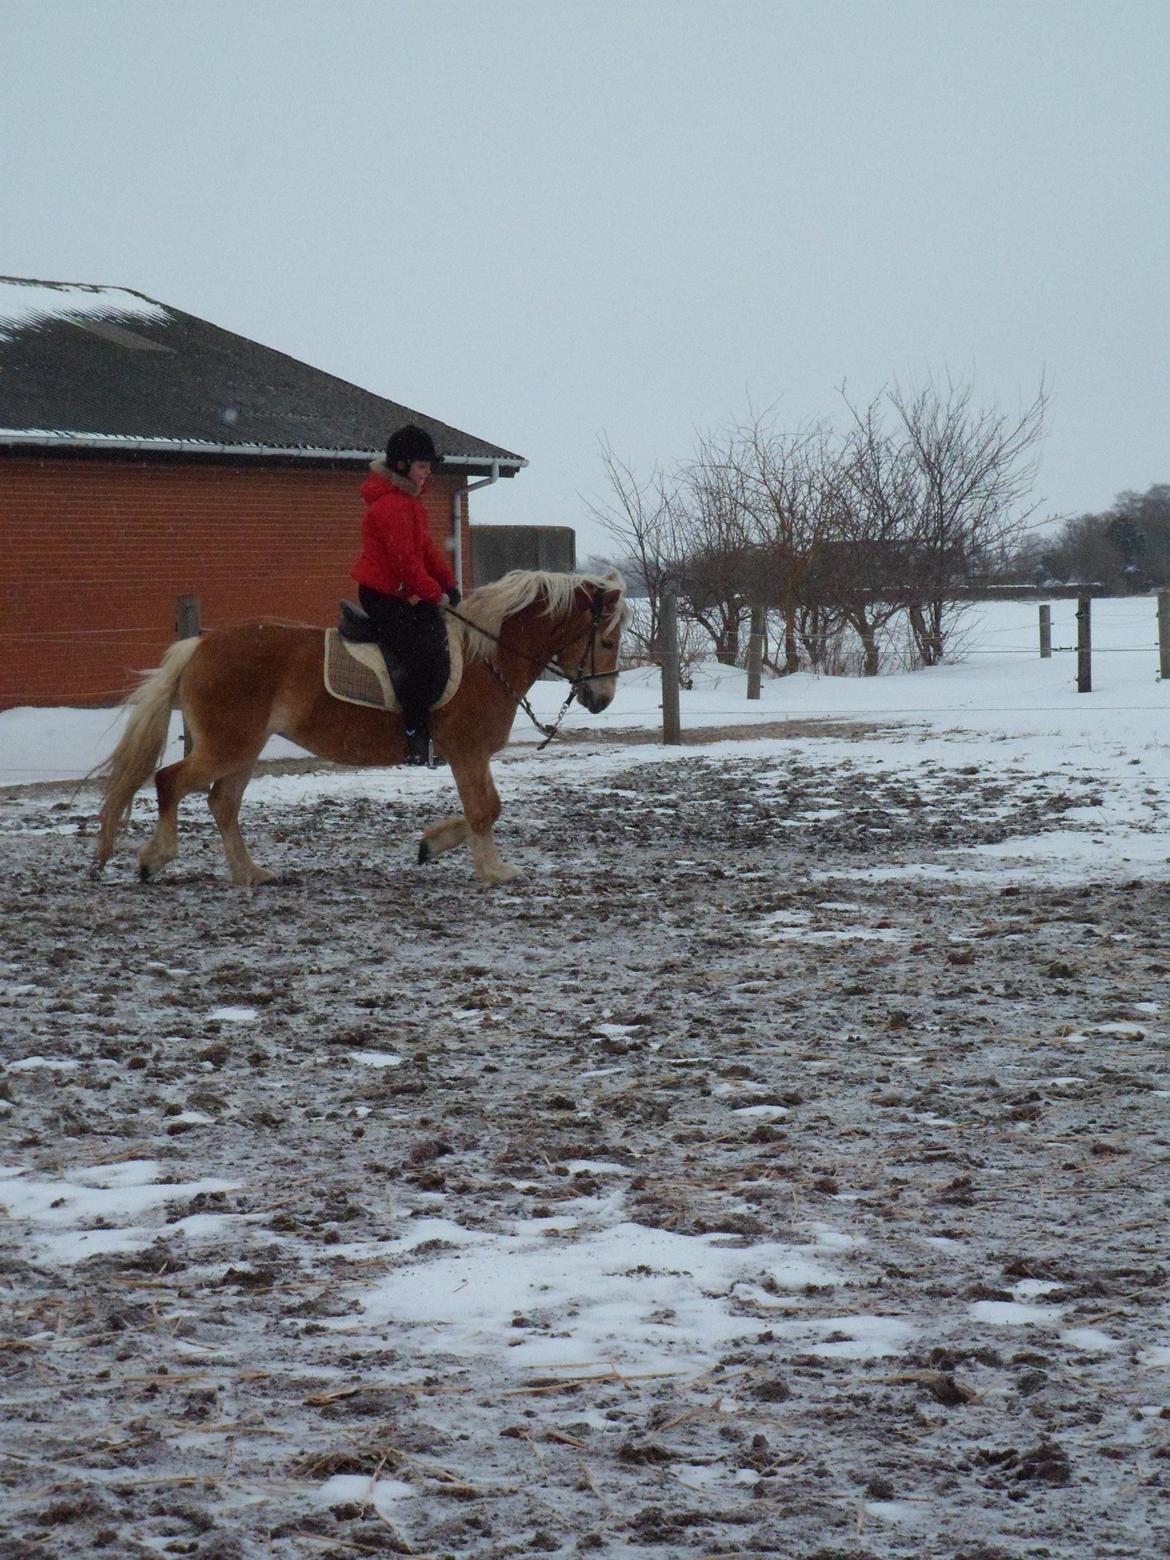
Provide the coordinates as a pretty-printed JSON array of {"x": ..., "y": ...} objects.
[{"x": 141, "y": 745}]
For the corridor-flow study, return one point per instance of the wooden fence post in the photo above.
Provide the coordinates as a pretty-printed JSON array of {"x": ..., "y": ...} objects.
[
  {"x": 755, "y": 655},
  {"x": 188, "y": 625},
  {"x": 1085, "y": 644},
  {"x": 1164, "y": 634},
  {"x": 668, "y": 634},
  {"x": 1046, "y": 633}
]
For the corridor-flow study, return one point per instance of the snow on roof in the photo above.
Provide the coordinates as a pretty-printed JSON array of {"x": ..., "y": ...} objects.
[
  {"x": 102, "y": 367},
  {"x": 24, "y": 303}
]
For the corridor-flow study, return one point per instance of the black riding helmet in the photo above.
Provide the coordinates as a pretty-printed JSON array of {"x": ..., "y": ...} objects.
[{"x": 409, "y": 444}]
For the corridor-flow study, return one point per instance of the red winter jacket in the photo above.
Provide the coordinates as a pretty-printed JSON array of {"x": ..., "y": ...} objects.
[{"x": 398, "y": 557}]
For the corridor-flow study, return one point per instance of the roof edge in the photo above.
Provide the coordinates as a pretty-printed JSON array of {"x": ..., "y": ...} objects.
[{"x": 507, "y": 465}]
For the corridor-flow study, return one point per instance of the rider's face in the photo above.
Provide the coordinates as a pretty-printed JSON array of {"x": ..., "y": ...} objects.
[{"x": 419, "y": 471}]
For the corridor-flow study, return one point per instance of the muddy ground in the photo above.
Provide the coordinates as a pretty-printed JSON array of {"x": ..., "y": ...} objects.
[{"x": 954, "y": 1094}]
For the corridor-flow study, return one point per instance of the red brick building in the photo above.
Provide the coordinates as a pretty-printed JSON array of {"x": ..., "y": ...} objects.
[{"x": 146, "y": 455}]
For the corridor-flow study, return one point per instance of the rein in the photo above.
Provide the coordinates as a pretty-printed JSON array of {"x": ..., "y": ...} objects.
[{"x": 549, "y": 665}]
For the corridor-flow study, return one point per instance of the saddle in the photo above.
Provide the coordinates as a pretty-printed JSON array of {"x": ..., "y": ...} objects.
[{"x": 356, "y": 670}]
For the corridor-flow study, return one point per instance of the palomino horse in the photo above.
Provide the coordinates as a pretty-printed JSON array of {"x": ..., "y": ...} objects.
[{"x": 239, "y": 686}]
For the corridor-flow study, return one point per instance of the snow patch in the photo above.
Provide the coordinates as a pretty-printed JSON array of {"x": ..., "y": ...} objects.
[
  {"x": 84, "y": 1209},
  {"x": 647, "y": 1298},
  {"x": 1014, "y": 1313},
  {"x": 357, "y": 1489}
]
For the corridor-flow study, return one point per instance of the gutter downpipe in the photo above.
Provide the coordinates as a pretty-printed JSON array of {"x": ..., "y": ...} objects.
[{"x": 457, "y": 508}]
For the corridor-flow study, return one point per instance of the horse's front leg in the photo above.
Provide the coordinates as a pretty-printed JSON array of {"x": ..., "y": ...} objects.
[{"x": 481, "y": 809}]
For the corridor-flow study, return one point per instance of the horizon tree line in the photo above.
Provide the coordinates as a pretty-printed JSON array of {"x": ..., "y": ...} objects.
[{"x": 832, "y": 526}]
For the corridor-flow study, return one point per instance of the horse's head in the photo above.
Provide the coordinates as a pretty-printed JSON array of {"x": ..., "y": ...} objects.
[
  {"x": 571, "y": 623},
  {"x": 588, "y": 655}
]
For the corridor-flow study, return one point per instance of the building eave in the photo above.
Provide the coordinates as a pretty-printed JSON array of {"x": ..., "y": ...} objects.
[{"x": 47, "y": 439}]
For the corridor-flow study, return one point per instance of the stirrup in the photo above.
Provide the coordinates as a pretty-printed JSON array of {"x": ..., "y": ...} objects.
[{"x": 419, "y": 750}]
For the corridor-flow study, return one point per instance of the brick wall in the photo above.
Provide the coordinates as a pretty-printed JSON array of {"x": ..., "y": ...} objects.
[{"x": 93, "y": 554}]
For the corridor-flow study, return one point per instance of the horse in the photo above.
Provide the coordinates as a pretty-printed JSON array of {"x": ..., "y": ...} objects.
[{"x": 239, "y": 686}]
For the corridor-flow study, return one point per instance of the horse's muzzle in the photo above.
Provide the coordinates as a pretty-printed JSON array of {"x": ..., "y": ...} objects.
[{"x": 597, "y": 694}]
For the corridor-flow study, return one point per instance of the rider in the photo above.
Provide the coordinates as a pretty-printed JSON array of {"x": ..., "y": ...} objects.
[{"x": 403, "y": 581}]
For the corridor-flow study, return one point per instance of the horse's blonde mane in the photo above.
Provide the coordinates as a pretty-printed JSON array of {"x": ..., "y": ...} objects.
[{"x": 488, "y": 606}]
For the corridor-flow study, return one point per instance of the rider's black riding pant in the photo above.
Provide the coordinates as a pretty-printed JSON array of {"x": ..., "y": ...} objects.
[{"x": 414, "y": 642}]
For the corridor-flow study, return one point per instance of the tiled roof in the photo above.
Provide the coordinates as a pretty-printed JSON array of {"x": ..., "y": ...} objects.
[{"x": 104, "y": 367}]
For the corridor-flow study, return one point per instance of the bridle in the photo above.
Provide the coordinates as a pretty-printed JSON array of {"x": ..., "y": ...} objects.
[{"x": 551, "y": 664}]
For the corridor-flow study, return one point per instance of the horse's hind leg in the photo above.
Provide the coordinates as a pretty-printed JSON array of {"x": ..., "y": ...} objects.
[
  {"x": 224, "y": 801},
  {"x": 442, "y": 836},
  {"x": 202, "y": 768},
  {"x": 171, "y": 784}
]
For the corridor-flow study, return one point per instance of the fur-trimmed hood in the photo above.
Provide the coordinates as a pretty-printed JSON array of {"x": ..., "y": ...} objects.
[{"x": 382, "y": 479}]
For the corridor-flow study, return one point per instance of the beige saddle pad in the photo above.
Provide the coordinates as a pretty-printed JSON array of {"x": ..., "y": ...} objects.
[{"x": 357, "y": 673}]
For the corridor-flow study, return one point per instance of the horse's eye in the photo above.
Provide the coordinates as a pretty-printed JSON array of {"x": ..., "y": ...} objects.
[{"x": 608, "y": 644}]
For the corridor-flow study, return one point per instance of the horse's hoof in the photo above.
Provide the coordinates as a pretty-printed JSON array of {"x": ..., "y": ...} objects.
[
  {"x": 424, "y": 852},
  {"x": 257, "y": 878},
  {"x": 499, "y": 876},
  {"x": 144, "y": 873}
]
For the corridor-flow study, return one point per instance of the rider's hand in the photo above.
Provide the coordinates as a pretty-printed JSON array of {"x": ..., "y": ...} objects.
[
  {"x": 453, "y": 597},
  {"x": 413, "y": 601}
]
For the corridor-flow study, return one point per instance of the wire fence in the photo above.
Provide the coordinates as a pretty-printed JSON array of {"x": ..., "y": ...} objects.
[{"x": 151, "y": 641}]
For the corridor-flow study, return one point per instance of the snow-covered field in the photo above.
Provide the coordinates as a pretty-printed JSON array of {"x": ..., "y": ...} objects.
[
  {"x": 1000, "y": 691},
  {"x": 779, "y": 1166}
]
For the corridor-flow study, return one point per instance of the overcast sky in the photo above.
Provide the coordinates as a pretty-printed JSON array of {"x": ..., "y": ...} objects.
[{"x": 547, "y": 222}]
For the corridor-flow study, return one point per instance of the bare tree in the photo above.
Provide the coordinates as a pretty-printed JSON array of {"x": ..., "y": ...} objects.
[
  {"x": 820, "y": 626},
  {"x": 712, "y": 530},
  {"x": 640, "y": 518},
  {"x": 974, "y": 468},
  {"x": 863, "y": 568},
  {"x": 787, "y": 487}
]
